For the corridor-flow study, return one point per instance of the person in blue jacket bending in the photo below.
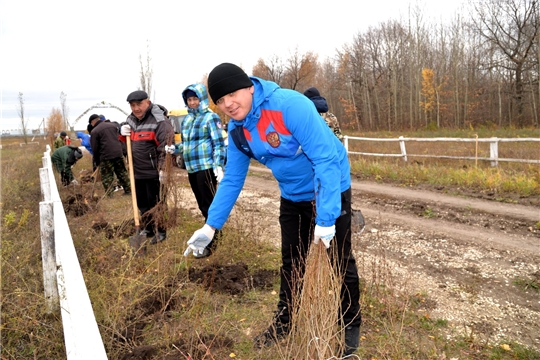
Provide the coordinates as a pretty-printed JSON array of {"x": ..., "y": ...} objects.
[
  {"x": 85, "y": 141},
  {"x": 281, "y": 129}
]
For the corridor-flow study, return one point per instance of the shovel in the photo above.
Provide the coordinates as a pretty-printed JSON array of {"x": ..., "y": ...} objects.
[
  {"x": 136, "y": 241},
  {"x": 94, "y": 176}
]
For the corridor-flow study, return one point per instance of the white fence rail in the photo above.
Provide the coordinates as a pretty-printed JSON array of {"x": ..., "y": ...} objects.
[
  {"x": 62, "y": 275},
  {"x": 493, "y": 148}
]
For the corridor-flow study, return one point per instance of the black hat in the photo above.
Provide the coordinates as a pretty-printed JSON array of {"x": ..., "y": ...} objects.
[
  {"x": 138, "y": 95},
  {"x": 93, "y": 117},
  {"x": 225, "y": 79},
  {"x": 312, "y": 92},
  {"x": 63, "y": 133},
  {"x": 78, "y": 154}
]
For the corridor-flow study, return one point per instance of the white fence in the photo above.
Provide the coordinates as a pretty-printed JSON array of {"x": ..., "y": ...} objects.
[
  {"x": 493, "y": 148},
  {"x": 62, "y": 275}
]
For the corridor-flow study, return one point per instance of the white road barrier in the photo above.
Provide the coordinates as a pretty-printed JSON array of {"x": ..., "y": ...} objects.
[{"x": 81, "y": 333}]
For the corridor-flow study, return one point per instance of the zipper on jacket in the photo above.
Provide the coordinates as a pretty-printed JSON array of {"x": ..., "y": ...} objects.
[{"x": 152, "y": 161}]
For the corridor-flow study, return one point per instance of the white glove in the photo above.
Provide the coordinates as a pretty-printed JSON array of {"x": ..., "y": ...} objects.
[
  {"x": 218, "y": 171},
  {"x": 161, "y": 176},
  {"x": 125, "y": 130},
  {"x": 200, "y": 240},
  {"x": 170, "y": 149},
  {"x": 74, "y": 182},
  {"x": 324, "y": 233}
]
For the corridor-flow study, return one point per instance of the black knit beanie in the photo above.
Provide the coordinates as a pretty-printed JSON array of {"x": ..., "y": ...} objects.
[
  {"x": 312, "y": 92},
  {"x": 225, "y": 79},
  {"x": 93, "y": 117}
]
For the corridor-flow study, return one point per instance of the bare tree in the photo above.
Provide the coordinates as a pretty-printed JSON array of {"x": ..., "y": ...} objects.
[
  {"x": 65, "y": 110},
  {"x": 54, "y": 123},
  {"x": 146, "y": 73},
  {"x": 272, "y": 69},
  {"x": 511, "y": 27},
  {"x": 24, "y": 122},
  {"x": 300, "y": 69}
]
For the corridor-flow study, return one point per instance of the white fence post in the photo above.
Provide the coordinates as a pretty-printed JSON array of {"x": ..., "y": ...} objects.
[
  {"x": 402, "y": 147},
  {"x": 494, "y": 151},
  {"x": 346, "y": 142},
  {"x": 45, "y": 183},
  {"x": 48, "y": 256},
  {"x": 81, "y": 333},
  {"x": 494, "y": 158}
]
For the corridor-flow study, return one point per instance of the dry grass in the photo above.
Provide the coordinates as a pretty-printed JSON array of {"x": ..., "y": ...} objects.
[
  {"x": 507, "y": 181},
  {"x": 152, "y": 304},
  {"x": 316, "y": 331}
]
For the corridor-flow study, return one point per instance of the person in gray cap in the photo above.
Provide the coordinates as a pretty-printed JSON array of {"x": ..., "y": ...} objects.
[
  {"x": 281, "y": 129},
  {"x": 150, "y": 132}
]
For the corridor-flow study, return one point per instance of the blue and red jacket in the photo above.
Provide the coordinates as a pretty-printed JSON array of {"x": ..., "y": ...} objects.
[
  {"x": 148, "y": 139},
  {"x": 285, "y": 132}
]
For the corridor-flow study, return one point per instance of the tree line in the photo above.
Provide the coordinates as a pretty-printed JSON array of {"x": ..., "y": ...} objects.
[{"x": 477, "y": 70}]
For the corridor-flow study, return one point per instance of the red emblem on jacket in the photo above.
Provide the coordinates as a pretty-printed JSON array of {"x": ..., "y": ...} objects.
[{"x": 273, "y": 139}]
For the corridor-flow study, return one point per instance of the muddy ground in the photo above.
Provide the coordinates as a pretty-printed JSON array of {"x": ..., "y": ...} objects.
[{"x": 476, "y": 260}]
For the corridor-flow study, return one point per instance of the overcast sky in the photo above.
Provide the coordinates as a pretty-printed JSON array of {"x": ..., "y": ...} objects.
[{"x": 90, "y": 50}]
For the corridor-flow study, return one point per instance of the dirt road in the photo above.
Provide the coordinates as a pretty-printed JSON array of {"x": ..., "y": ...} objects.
[{"x": 478, "y": 261}]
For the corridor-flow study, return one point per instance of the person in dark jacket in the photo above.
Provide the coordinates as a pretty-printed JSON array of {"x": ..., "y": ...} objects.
[
  {"x": 150, "y": 131},
  {"x": 63, "y": 159},
  {"x": 322, "y": 107},
  {"x": 108, "y": 155}
]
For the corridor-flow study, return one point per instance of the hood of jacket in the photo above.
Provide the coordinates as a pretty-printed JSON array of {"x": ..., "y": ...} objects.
[
  {"x": 320, "y": 103},
  {"x": 202, "y": 94}
]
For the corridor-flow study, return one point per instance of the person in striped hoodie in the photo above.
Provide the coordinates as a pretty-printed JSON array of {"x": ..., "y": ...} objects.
[{"x": 203, "y": 149}]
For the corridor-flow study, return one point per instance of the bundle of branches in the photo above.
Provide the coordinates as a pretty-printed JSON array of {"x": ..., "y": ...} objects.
[
  {"x": 165, "y": 211},
  {"x": 316, "y": 331}
]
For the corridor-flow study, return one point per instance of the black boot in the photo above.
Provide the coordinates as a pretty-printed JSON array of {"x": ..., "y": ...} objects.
[
  {"x": 275, "y": 332},
  {"x": 352, "y": 339},
  {"x": 278, "y": 330},
  {"x": 159, "y": 237}
]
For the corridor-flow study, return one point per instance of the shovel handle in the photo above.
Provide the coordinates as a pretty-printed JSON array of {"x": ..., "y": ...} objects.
[{"x": 132, "y": 181}]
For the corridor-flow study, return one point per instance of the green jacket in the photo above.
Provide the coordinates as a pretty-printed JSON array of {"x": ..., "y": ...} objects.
[
  {"x": 65, "y": 157},
  {"x": 58, "y": 142}
]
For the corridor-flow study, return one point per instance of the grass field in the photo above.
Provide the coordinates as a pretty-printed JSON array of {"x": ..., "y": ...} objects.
[{"x": 163, "y": 306}]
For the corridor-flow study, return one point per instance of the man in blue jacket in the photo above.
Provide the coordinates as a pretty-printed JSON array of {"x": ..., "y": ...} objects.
[{"x": 281, "y": 129}]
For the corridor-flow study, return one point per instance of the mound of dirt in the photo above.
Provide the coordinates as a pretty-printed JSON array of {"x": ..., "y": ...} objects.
[
  {"x": 124, "y": 230},
  {"x": 180, "y": 349},
  {"x": 232, "y": 279},
  {"x": 76, "y": 205}
]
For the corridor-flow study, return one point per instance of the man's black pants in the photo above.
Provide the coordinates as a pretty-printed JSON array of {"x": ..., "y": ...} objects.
[
  {"x": 148, "y": 191},
  {"x": 297, "y": 226}
]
